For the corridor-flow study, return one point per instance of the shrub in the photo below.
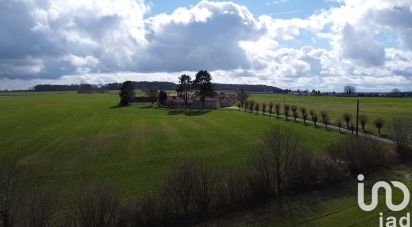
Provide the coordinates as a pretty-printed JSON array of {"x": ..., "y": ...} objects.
[
  {"x": 41, "y": 209},
  {"x": 15, "y": 184},
  {"x": 192, "y": 186},
  {"x": 304, "y": 172},
  {"x": 401, "y": 130},
  {"x": 271, "y": 163},
  {"x": 332, "y": 171},
  {"x": 94, "y": 205},
  {"x": 361, "y": 153},
  {"x": 145, "y": 211}
]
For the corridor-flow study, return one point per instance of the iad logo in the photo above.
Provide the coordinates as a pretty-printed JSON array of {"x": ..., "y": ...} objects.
[{"x": 389, "y": 221}]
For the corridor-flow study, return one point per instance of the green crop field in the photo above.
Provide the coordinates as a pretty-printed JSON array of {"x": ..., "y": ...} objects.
[
  {"x": 372, "y": 107},
  {"x": 73, "y": 138}
]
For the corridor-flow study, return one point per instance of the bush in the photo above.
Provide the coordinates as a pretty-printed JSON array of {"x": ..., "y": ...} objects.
[
  {"x": 192, "y": 186},
  {"x": 401, "y": 130},
  {"x": 145, "y": 211},
  {"x": 271, "y": 163},
  {"x": 332, "y": 171},
  {"x": 304, "y": 172},
  {"x": 361, "y": 153},
  {"x": 94, "y": 205}
]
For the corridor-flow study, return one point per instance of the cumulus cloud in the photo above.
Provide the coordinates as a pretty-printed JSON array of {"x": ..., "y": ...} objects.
[{"x": 80, "y": 41}]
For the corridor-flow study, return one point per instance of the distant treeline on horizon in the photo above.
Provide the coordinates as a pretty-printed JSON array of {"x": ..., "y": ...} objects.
[{"x": 145, "y": 85}]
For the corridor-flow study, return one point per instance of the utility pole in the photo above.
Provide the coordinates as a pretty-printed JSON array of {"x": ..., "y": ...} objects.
[{"x": 357, "y": 115}]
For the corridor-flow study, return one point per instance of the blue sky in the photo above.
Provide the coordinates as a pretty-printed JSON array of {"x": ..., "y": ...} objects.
[
  {"x": 294, "y": 44},
  {"x": 277, "y": 8}
]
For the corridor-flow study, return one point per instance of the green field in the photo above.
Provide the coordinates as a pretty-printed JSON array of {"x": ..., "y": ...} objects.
[
  {"x": 73, "y": 138},
  {"x": 373, "y": 107}
]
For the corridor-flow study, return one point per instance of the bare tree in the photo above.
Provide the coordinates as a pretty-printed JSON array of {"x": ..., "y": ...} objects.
[
  {"x": 94, "y": 206},
  {"x": 264, "y": 108},
  {"x": 347, "y": 117},
  {"x": 304, "y": 113},
  {"x": 257, "y": 107},
  {"x": 312, "y": 113},
  {"x": 315, "y": 119},
  {"x": 270, "y": 108},
  {"x": 339, "y": 123},
  {"x": 251, "y": 105},
  {"x": 351, "y": 126},
  {"x": 325, "y": 118},
  {"x": 378, "y": 124},
  {"x": 286, "y": 109},
  {"x": 242, "y": 96},
  {"x": 246, "y": 107},
  {"x": 277, "y": 110},
  {"x": 349, "y": 90},
  {"x": 239, "y": 105},
  {"x": 42, "y": 209},
  {"x": 273, "y": 160},
  {"x": 363, "y": 119},
  {"x": 192, "y": 185},
  {"x": 400, "y": 130},
  {"x": 153, "y": 94},
  {"x": 295, "y": 112}
]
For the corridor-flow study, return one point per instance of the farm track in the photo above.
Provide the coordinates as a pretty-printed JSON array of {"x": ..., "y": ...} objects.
[{"x": 377, "y": 138}]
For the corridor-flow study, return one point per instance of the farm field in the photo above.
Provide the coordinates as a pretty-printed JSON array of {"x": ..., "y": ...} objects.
[
  {"x": 74, "y": 138},
  {"x": 372, "y": 107}
]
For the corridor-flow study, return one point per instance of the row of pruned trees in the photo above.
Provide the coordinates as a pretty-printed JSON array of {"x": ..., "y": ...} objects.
[{"x": 295, "y": 112}]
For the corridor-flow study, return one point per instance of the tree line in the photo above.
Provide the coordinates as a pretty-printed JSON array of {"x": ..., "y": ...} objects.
[
  {"x": 145, "y": 85},
  {"x": 288, "y": 111}
]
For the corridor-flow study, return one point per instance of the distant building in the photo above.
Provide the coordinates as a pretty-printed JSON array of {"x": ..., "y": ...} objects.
[{"x": 219, "y": 101}]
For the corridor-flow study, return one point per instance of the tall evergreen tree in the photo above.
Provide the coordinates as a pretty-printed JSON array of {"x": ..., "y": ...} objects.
[
  {"x": 184, "y": 88},
  {"x": 127, "y": 94},
  {"x": 203, "y": 86}
]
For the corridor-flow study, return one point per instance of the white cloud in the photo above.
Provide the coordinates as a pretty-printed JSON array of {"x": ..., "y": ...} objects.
[{"x": 79, "y": 41}]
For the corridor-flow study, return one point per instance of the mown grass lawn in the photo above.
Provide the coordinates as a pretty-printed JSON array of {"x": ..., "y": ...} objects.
[
  {"x": 373, "y": 107},
  {"x": 80, "y": 138}
]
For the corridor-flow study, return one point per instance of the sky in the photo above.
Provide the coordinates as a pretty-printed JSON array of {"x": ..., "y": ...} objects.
[{"x": 294, "y": 44}]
